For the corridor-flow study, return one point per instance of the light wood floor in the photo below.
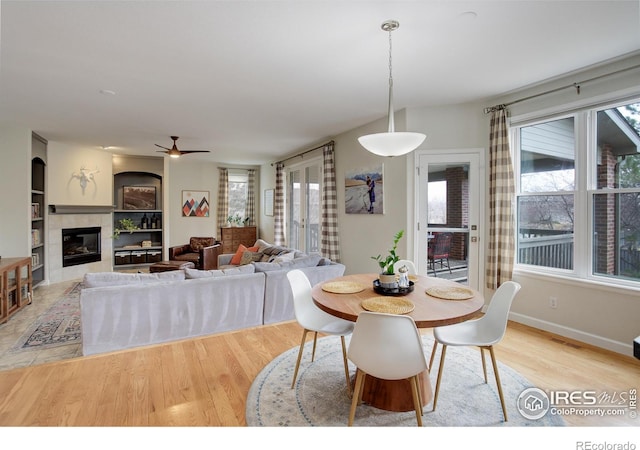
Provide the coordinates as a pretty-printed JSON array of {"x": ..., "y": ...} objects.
[{"x": 205, "y": 381}]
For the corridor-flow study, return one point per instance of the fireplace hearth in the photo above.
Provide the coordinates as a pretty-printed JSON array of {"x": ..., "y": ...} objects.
[{"x": 80, "y": 246}]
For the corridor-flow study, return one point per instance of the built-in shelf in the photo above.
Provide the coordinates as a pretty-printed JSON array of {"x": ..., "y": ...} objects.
[{"x": 128, "y": 250}]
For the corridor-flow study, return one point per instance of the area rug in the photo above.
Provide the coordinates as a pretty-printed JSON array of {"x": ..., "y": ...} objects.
[
  {"x": 320, "y": 395},
  {"x": 59, "y": 325}
]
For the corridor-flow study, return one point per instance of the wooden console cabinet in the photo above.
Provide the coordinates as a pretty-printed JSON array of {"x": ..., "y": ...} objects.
[
  {"x": 232, "y": 237},
  {"x": 15, "y": 285}
]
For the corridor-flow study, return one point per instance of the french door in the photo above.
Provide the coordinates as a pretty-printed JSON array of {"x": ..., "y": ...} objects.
[
  {"x": 303, "y": 206},
  {"x": 450, "y": 202}
]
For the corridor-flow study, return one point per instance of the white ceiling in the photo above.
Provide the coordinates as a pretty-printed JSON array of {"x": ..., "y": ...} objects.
[{"x": 255, "y": 80}]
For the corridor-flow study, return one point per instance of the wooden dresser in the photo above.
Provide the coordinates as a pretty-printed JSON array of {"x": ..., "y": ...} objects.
[{"x": 232, "y": 237}]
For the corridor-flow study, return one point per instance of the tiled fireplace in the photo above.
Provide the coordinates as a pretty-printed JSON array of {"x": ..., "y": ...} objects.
[{"x": 61, "y": 218}]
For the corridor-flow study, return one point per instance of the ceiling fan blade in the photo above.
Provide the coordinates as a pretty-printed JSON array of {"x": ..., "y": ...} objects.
[
  {"x": 162, "y": 147},
  {"x": 194, "y": 151}
]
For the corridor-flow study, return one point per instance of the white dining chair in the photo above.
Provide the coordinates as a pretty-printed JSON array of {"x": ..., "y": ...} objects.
[
  {"x": 405, "y": 262},
  {"x": 389, "y": 347},
  {"x": 312, "y": 318},
  {"x": 483, "y": 332}
]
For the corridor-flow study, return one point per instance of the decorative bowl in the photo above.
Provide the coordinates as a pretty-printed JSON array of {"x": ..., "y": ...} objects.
[{"x": 392, "y": 291}]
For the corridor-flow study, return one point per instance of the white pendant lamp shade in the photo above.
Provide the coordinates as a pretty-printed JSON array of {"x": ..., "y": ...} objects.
[
  {"x": 394, "y": 143},
  {"x": 391, "y": 143}
]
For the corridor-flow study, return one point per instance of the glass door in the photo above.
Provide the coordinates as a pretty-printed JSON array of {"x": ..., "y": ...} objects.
[
  {"x": 449, "y": 216},
  {"x": 304, "y": 211}
]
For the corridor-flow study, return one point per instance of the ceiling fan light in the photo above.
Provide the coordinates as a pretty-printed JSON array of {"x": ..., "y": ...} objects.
[{"x": 395, "y": 143}]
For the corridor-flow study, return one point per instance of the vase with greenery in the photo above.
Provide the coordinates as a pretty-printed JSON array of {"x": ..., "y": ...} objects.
[
  {"x": 124, "y": 225},
  {"x": 387, "y": 275}
]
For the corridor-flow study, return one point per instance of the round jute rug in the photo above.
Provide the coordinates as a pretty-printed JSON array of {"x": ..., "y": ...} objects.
[{"x": 320, "y": 397}]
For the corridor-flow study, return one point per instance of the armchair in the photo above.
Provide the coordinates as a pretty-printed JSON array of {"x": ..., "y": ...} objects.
[{"x": 202, "y": 251}]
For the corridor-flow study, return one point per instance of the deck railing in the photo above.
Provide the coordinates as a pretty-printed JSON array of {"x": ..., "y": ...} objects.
[{"x": 548, "y": 251}]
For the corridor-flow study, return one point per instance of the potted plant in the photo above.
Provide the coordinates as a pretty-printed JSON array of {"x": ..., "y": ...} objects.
[
  {"x": 245, "y": 222},
  {"x": 387, "y": 275},
  {"x": 124, "y": 225}
]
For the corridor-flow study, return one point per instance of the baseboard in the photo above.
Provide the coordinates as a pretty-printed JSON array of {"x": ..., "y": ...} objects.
[{"x": 572, "y": 333}]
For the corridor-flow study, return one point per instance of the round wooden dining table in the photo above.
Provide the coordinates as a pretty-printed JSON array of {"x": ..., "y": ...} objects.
[{"x": 428, "y": 312}]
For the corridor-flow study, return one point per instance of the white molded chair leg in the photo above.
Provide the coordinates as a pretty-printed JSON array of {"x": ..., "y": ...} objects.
[
  {"x": 357, "y": 395},
  {"x": 495, "y": 371},
  {"x": 433, "y": 355},
  {"x": 346, "y": 365},
  {"x": 315, "y": 341},
  {"x": 295, "y": 372},
  {"x": 435, "y": 396},
  {"x": 417, "y": 404},
  {"x": 484, "y": 364}
]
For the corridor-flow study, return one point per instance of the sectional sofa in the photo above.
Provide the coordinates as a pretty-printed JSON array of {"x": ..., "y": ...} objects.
[{"x": 126, "y": 310}]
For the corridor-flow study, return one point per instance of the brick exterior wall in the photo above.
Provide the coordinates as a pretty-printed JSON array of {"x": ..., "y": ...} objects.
[
  {"x": 605, "y": 214},
  {"x": 458, "y": 209}
]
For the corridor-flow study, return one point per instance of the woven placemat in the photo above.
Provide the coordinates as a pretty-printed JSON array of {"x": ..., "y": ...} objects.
[
  {"x": 450, "y": 292},
  {"x": 389, "y": 305},
  {"x": 343, "y": 287}
]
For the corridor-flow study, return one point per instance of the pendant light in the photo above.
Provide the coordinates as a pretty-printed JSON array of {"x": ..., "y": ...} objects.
[{"x": 391, "y": 143}]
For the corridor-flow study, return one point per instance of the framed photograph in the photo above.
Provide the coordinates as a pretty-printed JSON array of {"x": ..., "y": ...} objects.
[
  {"x": 268, "y": 202},
  {"x": 195, "y": 203},
  {"x": 364, "y": 190},
  {"x": 139, "y": 197}
]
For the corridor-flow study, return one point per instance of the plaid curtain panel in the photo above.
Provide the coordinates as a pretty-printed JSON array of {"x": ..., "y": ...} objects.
[
  {"x": 501, "y": 249},
  {"x": 223, "y": 197},
  {"x": 330, "y": 241},
  {"x": 278, "y": 207},
  {"x": 250, "y": 210}
]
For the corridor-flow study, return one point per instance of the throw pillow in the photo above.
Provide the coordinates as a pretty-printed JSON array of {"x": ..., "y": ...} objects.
[
  {"x": 261, "y": 245},
  {"x": 238, "y": 256},
  {"x": 249, "y": 257},
  {"x": 284, "y": 257}
]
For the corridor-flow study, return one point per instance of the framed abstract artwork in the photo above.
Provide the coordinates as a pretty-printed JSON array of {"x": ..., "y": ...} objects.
[
  {"x": 364, "y": 190},
  {"x": 138, "y": 197},
  {"x": 195, "y": 203}
]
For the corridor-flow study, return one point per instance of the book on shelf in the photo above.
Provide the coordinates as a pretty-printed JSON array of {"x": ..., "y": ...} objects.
[
  {"x": 35, "y": 237},
  {"x": 35, "y": 210},
  {"x": 35, "y": 259}
]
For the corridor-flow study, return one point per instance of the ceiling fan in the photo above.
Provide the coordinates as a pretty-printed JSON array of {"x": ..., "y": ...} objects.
[{"x": 174, "y": 152}]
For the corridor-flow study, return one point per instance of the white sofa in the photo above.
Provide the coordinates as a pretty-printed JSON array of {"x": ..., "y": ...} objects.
[{"x": 123, "y": 310}]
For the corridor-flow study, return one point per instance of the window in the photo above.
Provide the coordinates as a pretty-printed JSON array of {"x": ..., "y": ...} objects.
[
  {"x": 437, "y": 202},
  {"x": 304, "y": 206},
  {"x": 583, "y": 166},
  {"x": 238, "y": 191}
]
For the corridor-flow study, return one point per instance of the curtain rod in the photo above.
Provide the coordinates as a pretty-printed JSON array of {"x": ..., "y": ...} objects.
[
  {"x": 305, "y": 152},
  {"x": 574, "y": 85}
]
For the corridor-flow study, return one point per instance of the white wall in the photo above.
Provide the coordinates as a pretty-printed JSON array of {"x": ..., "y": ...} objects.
[
  {"x": 64, "y": 164},
  {"x": 184, "y": 174},
  {"x": 15, "y": 191},
  {"x": 267, "y": 181}
]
